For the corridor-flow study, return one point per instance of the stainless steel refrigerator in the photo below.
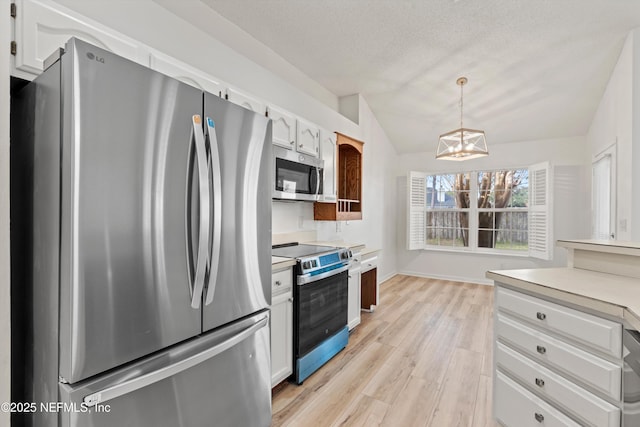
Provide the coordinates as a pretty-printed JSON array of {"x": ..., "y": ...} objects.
[{"x": 141, "y": 222}]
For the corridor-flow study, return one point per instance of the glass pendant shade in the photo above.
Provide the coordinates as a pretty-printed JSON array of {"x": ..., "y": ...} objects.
[{"x": 462, "y": 144}]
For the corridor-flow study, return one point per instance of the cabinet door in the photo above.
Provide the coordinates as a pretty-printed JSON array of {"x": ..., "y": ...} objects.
[
  {"x": 308, "y": 138},
  {"x": 353, "y": 304},
  {"x": 185, "y": 73},
  {"x": 281, "y": 338},
  {"x": 246, "y": 101},
  {"x": 284, "y": 127},
  {"x": 42, "y": 28},
  {"x": 328, "y": 153},
  {"x": 370, "y": 291}
]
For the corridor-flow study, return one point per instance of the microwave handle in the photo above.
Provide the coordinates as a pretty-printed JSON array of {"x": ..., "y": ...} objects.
[{"x": 317, "y": 181}]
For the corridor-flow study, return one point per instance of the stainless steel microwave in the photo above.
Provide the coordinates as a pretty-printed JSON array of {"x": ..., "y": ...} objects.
[{"x": 296, "y": 176}]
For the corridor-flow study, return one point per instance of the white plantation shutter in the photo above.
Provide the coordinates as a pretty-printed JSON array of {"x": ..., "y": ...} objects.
[
  {"x": 540, "y": 213},
  {"x": 416, "y": 204}
]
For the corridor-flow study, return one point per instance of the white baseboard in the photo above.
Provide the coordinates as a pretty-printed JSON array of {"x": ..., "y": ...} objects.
[
  {"x": 453, "y": 278},
  {"x": 387, "y": 277}
]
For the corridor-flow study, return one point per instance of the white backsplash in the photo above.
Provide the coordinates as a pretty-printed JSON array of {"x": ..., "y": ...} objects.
[{"x": 290, "y": 217}]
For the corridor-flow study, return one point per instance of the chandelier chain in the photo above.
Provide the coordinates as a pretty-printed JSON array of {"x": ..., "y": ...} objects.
[{"x": 461, "y": 104}]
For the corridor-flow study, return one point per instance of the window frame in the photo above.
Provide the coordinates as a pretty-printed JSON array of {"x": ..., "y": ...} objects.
[{"x": 543, "y": 250}]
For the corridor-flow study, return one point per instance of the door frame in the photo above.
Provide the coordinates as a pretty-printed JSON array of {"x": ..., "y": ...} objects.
[{"x": 611, "y": 153}]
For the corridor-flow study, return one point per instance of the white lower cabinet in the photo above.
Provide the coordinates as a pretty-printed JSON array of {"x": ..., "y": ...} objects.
[
  {"x": 353, "y": 302},
  {"x": 548, "y": 369},
  {"x": 281, "y": 326},
  {"x": 598, "y": 373},
  {"x": 516, "y": 407},
  {"x": 581, "y": 403}
]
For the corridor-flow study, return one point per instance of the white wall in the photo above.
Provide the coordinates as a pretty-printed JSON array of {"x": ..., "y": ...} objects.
[
  {"x": 147, "y": 21},
  {"x": 568, "y": 156},
  {"x": 617, "y": 122},
  {"x": 157, "y": 27},
  {"x": 377, "y": 229},
  {"x": 5, "y": 321}
]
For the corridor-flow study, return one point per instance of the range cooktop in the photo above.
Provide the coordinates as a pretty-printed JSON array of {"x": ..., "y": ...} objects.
[{"x": 295, "y": 250}]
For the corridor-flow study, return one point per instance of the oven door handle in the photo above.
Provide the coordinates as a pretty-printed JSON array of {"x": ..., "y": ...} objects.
[{"x": 303, "y": 280}]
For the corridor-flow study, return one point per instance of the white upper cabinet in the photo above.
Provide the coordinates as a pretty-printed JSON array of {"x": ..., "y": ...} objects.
[
  {"x": 42, "y": 26},
  {"x": 328, "y": 154},
  {"x": 185, "y": 73},
  {"x": 246, "y": 101},
  {"x": 308, "y": 140},
  {"x": 284, "y": 127}
]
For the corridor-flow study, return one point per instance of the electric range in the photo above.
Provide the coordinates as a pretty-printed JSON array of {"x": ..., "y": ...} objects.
[{"x": 320, "y": 328}]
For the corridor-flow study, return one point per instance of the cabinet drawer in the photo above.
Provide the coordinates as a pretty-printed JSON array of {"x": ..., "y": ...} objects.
[
  {"x": 598, "y": 373},
  {"x": 281, "y": 281},
  {"x": 516, "y": 407},
  {"x": 593, "y": 410},
  {"x": 601, "y": 334},
  {"x": 369, "y": 263}
]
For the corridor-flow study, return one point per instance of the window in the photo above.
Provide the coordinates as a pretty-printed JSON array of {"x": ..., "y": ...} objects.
[
  {"x": 503, "y": 209},
  {"x": 495, "y": 211},
  {"x": 447, "y": 210}
]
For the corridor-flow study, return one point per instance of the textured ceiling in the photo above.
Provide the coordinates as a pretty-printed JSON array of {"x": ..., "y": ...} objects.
[{"x": 537, "y": 69}]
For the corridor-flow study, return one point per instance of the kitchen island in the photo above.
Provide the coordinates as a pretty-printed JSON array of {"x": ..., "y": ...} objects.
[{"x": 561, "y": 339}]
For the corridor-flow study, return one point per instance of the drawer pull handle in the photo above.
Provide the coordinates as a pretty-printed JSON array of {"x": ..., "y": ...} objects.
[
  {"x": 539, "y": 417},
  {"x": 278, "y": 283},
  {"x": 539, "y": 382},
  {"x": 540, "y": 349},
  {"x": 541, "y": 316}
]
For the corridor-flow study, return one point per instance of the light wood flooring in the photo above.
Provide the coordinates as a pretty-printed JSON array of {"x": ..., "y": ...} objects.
[{"x": 423, "y": 358}]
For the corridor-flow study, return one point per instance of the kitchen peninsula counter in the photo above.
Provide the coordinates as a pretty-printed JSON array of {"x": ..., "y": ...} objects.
[
  {"x": 616, "y": 295},
  {"x": 561, "y": 338}
]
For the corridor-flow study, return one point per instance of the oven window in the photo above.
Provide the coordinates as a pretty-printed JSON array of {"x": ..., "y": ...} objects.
[
  {"x": 321, "y": 311},
  {"x": 292, "y": 177}
]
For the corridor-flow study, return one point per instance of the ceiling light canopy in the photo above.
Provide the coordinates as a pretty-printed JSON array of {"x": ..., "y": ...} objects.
[{"x": 462, "y": 144}]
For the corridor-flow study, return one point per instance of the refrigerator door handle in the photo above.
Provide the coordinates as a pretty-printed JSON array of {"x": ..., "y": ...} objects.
[
  {"x": 217, "y": 209},
  {"x": 132, "y": 385},
  {"x": 204, "y": 213}
]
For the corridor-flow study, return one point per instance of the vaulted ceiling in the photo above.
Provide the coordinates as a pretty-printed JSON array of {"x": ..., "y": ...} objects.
[{"x": 537, "y": 69}]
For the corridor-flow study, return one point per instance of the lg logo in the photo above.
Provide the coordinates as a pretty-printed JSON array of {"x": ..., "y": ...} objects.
[{"x": 95, "y": 58}]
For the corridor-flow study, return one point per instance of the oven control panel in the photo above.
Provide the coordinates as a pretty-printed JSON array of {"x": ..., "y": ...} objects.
[{"x": 317, "y": 264}]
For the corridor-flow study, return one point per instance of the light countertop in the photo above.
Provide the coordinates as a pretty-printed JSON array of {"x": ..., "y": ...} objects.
[
  {"x": 281, "y": 262},
  {"x": 278, "y": 262},
  {"x": 368, "y": 251},
  {"x": 339, "y": 244},
  {"x": 615, "y": 295},
  {"x": 604, "y": 246}
]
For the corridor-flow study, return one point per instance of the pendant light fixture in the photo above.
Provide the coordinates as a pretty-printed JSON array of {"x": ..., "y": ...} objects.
[{"x": 462, "y": 144}]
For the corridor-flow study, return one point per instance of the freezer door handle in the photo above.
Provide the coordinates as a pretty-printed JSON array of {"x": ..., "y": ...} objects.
[
  {"x": 132, "y": 385},
  {"x": 204, "y": 212},
  {"x": 214, "y": 166}
]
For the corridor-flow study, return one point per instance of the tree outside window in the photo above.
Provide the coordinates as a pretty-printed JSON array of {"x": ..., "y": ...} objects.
[{"x": 496, "y": 200}]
